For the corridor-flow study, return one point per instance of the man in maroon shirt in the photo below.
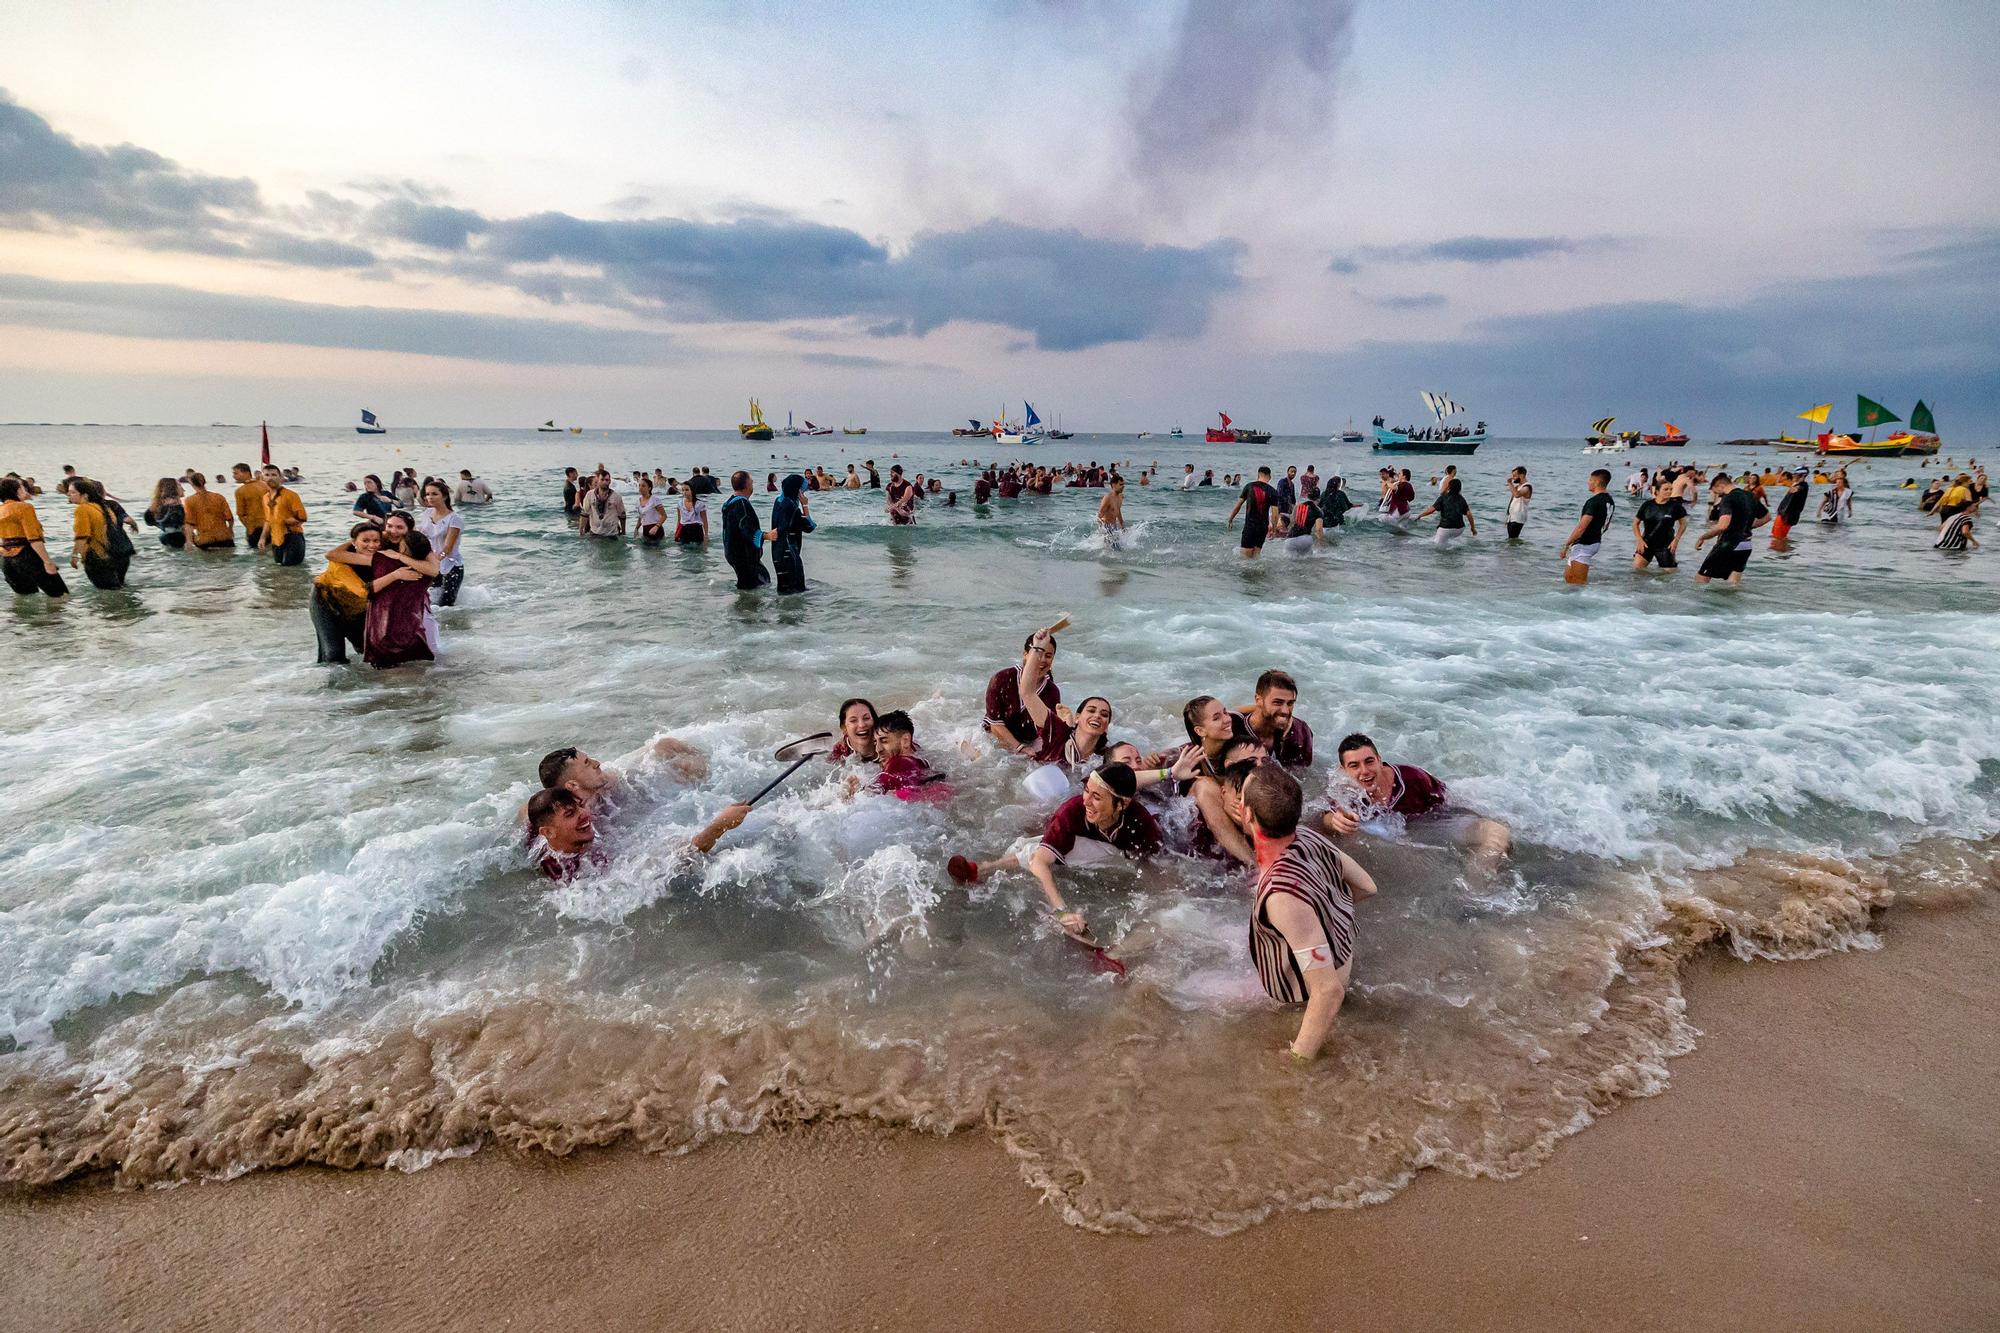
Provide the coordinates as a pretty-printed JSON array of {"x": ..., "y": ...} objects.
[
  {"x": 1411, "y": 792},
  {"x": 1092, "y": 829},
  {"x": 1007, "y": 720},
  {"x": 1285, "y": 738}
]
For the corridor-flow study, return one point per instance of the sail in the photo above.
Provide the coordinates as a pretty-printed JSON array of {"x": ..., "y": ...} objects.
[
  {"x": 1602, "y": 426},
  {"x": 974, "y": 422},
  {"x": 1922, "y": 420},
  {"x": 1451, "y": 408},
  {"x": 1033, "y": 420},
  {"x": 1868, "y": 412},
  {"x": 1669, "y": 428},
  {"x": 1225, "y": 419},
  {"x": 367, "y": 417},
  {"x": 550, "y": 423},
  {"x": 1431, "y": 402},
  {"x": 1818, "y": 414}
]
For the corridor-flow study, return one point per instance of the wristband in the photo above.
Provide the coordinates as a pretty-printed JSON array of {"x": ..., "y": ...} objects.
[
  {"x": 1297, "y": 1058},
  {"x": 1166, "y": 773}
]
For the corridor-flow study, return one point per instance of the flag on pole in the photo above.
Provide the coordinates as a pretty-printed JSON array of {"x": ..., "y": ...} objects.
[
  {"x": 1818, "y": 414},
  {"x": 267, "y": 444}
]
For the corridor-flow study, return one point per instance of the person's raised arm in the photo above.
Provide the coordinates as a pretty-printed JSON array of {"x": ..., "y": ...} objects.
[
  {"x": 1326, "y": 984},
  {"x": 345, "y": 554},
  {"x": 1032, "y": 675}
]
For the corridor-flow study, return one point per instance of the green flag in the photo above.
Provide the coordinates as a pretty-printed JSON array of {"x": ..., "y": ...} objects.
[
  {"x": 1868, "y": 412},
  {"x": 1921, "y": 419}
]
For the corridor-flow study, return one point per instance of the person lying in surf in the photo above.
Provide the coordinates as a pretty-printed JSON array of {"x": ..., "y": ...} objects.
[
  {"x": 1102, "y": 825},
  {"x": 563, "y": 837},
  {"x": 1413, "y": 793},
  {"x": 857, "y": 733},
  {"x": 597, "y": 786},
  {"x": 904, "y": 775}
]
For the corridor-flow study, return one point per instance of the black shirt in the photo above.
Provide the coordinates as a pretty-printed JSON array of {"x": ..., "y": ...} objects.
[
  {"x": 1739, "y": 510},
  {"x": 1258, "y": 497},
  {"x": 1793, "y": 507},
  {"x": 1334, "y": 506},
  {"x": 1597, "y": 509},
  {"x": 1451, "y": 510},
  {"x": 703, "y": 484},
  {"x": 1657, "y": 522},
  {"x": 570, "y": 505},
  {"x": 739, "y": 532},
  {"x": 374, "y": 505}
]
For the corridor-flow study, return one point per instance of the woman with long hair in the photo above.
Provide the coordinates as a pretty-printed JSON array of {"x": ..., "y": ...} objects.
[
  {"x": 399, "y": 604},
  {"x": 168, "y": 513},
  {"x": 856, "y": 721},
  {"x": 28, "y": 567},
  {"x": 691, "y": 518},
  {"x": 791, "y": 520},
  {"x": 102, "y": 548},
  {"x": 339, "y": 606},
  {"x": 442, "y": 529},
  {"x": 371, "y": 502},
  {"x": 652, "y": 517}
]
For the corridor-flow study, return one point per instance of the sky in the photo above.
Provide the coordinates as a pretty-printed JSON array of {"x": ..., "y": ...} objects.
[{"x": 627, "y": 214}]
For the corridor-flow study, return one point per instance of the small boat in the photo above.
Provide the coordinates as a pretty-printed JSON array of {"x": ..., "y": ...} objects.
[
  {"x": 1231, "y": 433},
  {"x": 1028, "y": 433},
  {"x": 1601, "y": 440},
  {"x": 1145, "y": 435},
  {"x": 1350, "y": 435},
  {"x": 1438, "y": 439},
  {"x": 1809, "y": 445},
  {"x": 369, "y": 425},
  {"x": 1056, "y": 432},
  {"x": 974, "y": 429},
  {"x": 1672, "y": 436},
  {"x": 812, "y": 429},
  {"x": 576, "y": 430},
  {"x": 756, "y": 428},
  {"x": 1868, "y": 412},
  {"x": 1175, "y": 433},
  {"x": 790, "y": 429},
  {"x": 854, "y": 430},
  {"x": 549, "y": 428}
]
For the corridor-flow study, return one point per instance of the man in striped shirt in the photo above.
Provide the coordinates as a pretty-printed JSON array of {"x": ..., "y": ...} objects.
[{"x": 1302, "y": 921}]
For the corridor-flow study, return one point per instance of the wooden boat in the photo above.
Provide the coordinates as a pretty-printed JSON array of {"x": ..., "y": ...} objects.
[
  {"x": 369, "y": 425},
  {"x": 1671, "y": 436},
  {"x": 548, "y": 428},
  {"x": 756, "y": 428},
  {"x": 1438, "y": 439},
  {"x": 974, "y": 429},
  {"x": 854, "y": 430}
]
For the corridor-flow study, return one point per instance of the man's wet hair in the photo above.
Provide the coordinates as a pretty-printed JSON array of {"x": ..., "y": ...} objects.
[
  {"x": 1278, "y": 679},
  {"x": 1274, "y": 798},
  {"x": 896, "y": 722},
  {"x": 1355, "y": 741},
  {"x": 543, "y": 805},
  {"x": 552, "y": 765}
]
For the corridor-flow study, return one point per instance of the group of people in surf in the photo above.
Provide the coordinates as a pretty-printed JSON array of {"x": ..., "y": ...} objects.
[
  {"x": 184, "y": 512},
  {"x": 1954, "y": 503},
  {"x": 1230, "y": 791}
]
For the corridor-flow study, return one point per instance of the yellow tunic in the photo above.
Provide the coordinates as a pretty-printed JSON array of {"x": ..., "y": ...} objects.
[
  {"x": 284, "y": 514},
  {"x": 19, "y": 525},
  {"x": 345, "y": 588},
  {"x": 250, "y": 505},
  {"x": 90, "y": 530},
  {"x": 208, "y": 519}
]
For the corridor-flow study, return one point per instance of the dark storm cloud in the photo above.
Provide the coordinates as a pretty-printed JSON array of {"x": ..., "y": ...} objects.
[
  {"x": 144, "y": 310},
  {"x": 437, "y": 226}
]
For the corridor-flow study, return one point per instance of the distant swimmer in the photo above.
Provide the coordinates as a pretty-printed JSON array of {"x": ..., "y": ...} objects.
[
  {"x": 1258, "y": 504},
  {"x": 1006, "y": 720},
  {"x": 24, "y": 553},
  {"x": 1587, "y": 537},
  {"x": 1111, "y": 512},
  {"x": 1409, "y": 791},
  {"x": 899, "y": 499},
  {"x": 1302, "y": 919},
  {"x": 1102, "y": 825},
  {"x": 1657, "y": 529},
  {"x": 1734, "y": 517},
  {"x": 1270, "y": 721},
  {"x": 1454, "y": 515},
  {"x": 566, "y": 834}
]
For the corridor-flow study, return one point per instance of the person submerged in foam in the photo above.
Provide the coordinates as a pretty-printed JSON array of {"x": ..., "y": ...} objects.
[
  {"x": 1302, "y": 919},
  {"x": 1411, "y": 792},
  {"x": 599, "y": 786},
  {"x": 564, "y": 836},
  {"x": 905, "y": 775},
  {"x": 1102, "y": 825}
]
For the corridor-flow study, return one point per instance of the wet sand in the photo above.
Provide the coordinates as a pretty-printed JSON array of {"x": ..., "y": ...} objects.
[{"x": 1827, "y": 1159}]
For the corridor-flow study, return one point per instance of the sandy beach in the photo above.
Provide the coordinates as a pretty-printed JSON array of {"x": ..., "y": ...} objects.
[{"x": 1825, "y": 1159}]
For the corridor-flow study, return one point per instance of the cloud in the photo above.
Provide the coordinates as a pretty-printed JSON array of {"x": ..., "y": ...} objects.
[
  {"x": 142, "y": 310},
  {"x": 844, "y": 361},
  {"x": 49, "y": 179},
  {"x": 1482, "y": 250},
  {"x": 437, "y": 226},
  {"x": 1243, "y": 80},
  {"x": 1414, "y": 301}
]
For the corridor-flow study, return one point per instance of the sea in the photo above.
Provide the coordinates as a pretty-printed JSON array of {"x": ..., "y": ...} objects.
[{"x": 257, "y": 912}]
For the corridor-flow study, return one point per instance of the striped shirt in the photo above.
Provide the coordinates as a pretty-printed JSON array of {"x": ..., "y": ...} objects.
[{"x": 1309, "y": 870}]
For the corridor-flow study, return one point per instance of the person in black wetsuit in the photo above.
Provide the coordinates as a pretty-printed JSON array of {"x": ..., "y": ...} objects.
[
  {"x": 1736, "y": 516},
  {"x": 743, "y": 535}
]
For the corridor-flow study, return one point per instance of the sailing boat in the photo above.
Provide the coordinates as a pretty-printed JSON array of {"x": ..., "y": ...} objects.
[
  {"x": 1670, "y": 435},
  {"x": 1869, "y": 413},
  {"x": 1601, "y": 440},
  {"x": 974, "y": 429},
  {"x": 859, "y": 430},
  {"x": 1816, "y": 414},
  {"x": 1058, "y": 433},
  {"x": 1028, "y": 433},
  {"x": 1351, "y": 435},
  {"x": 1231, "y": 433},
  {"x": 812, "y": 429},
  {"x": 790, "y": 429},
  {"x": 756, "y": 428},
  {"x": 549, "y": 427},
  {"x": 369, "y": 425},
  {"x": 1438, "y": 439}
]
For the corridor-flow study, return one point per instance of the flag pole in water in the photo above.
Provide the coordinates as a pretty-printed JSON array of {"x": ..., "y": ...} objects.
[{"x": 267, "y": 443}]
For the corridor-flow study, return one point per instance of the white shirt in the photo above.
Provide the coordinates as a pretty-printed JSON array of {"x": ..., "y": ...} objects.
[
  {"x": 434, "y": 528},
  {"x": 1187, "y": 481},
  {"x": 473, "y": 492}
]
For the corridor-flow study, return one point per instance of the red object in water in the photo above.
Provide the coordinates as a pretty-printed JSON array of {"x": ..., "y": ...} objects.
[
  {"x": 267, "y": 444},
  {"x": 1101, "y": 959},
  {"x": 1224, "y": 435},
  {"x": 962, "y": 870}
]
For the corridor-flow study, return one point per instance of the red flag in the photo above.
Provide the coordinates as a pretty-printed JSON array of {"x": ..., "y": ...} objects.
[
  {"x": 267, "y": 444},
  {"x": 1225, "y": 419}
]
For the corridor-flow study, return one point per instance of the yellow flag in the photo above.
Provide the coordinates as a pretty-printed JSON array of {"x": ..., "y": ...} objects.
[{"x": 1818, "y": 414}]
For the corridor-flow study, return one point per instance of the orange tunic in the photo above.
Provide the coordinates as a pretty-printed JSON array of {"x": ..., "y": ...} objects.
[
  {"x": 208, "y": 519},
  {"x": 250, "y": 505},
  {"x": 19, "y": 525},
  {"x": 284, "y": 514}
]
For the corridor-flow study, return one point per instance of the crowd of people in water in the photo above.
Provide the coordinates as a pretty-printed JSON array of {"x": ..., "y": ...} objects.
[{"x": 1229, "y": 791}]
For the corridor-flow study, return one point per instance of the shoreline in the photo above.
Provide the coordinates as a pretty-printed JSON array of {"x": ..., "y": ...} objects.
[{"x": 1825, "y": 1158}]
